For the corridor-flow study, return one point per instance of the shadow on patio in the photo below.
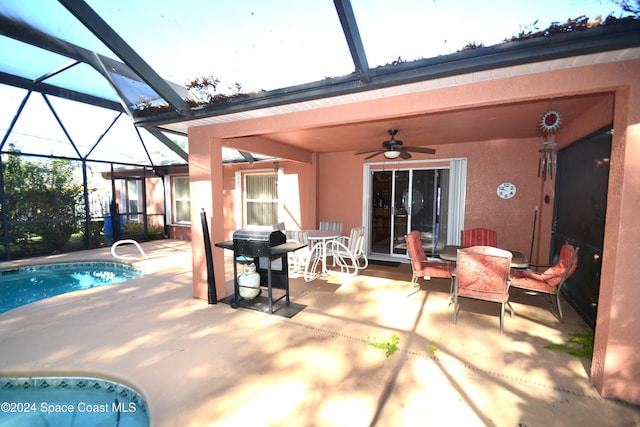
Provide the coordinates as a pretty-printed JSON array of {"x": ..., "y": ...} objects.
[{"x": 200, "y": 365}]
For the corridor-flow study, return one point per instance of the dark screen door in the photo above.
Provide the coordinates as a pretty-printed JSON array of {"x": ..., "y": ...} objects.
[{"x": 579, "y": 219}]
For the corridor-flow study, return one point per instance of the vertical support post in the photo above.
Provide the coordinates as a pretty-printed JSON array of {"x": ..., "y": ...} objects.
[
  {"x": 87, "y": 209},
  {"x": 113, "y": 208},
  {"x": 5, "y": 217},
  {"x": 533, "y": 233},
  {"x": 145, "y": 219},
  {"x": 211, "y": 280}
]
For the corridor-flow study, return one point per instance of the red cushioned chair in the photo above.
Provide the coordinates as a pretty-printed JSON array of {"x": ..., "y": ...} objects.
[
  {"x": 479, "y": 237},
  {"x": 482, "y": 272},
  {"x": 420, "y": 264},
  {"x": 551, "y": 280}
]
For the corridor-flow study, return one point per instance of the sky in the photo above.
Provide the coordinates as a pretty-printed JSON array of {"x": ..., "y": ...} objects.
[
  {"x": 272, "y": 44},
  {"x": 279, "y": 43}
]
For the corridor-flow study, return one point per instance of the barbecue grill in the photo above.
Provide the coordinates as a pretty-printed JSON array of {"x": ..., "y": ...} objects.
[
  {"x": 268, "y": 250},
  {"x": 257, "y": 243}
]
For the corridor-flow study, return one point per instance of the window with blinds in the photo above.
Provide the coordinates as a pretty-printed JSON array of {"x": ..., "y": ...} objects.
[
  {"x": 181, "y": 200},
  {"x": 261, "y": 199}
]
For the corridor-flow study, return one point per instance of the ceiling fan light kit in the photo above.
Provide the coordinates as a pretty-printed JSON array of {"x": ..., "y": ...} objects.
[
  {"x": 393, "y": 148},
  {"x": 392, "y": 154}
]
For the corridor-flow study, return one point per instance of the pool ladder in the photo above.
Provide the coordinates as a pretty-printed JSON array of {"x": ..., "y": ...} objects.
[{"x": 123, "y": 242}]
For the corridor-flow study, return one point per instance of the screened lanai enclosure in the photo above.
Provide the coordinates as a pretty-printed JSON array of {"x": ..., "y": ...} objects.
[
  {"x": 92, "y": 141},
  {"x": 76, "y": 171},
  {"x": 62, "y": 190}
]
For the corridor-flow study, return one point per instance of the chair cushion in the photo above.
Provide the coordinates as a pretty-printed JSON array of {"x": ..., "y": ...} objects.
[
  {"x": 488, "y": 295},
  {"x": 432, "y": 269},
  {"x": 479, "y": 237},
  {"x": 416, "y": 253},
  {"x": 553, "y": 275},
  {"x": 482, "y": 272},
  {"x": 535, "y": 282},
  {"x": 420, "y": 264}
]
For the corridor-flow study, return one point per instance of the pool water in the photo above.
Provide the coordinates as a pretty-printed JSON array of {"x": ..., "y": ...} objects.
[
  {"x": 70, "y": 401},
  {"x": 20, "y": 286}
]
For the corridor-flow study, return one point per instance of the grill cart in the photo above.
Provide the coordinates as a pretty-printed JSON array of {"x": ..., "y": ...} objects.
[{"x": 268, "y": 250}]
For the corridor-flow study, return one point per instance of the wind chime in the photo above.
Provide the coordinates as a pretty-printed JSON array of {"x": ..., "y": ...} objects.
[{"x": 547, "y": 126}]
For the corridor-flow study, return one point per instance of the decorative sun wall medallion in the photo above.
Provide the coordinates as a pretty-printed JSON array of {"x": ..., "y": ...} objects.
[{"x": 549, "y": 123}]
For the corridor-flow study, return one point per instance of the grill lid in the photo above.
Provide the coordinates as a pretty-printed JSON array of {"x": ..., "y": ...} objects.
[{"x": 270, "y": 237}]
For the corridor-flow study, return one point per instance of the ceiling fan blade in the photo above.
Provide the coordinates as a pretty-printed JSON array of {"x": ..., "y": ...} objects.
[
  {"x": 421, "y": 150},
  {"x": 374, "y": 154},
  {"x": 396, "y": 148},
  {"x": 367, "y": 151},
  {"x": 391, "y": 143}
]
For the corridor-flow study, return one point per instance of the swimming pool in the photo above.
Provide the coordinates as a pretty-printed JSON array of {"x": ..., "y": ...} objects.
[
  {"x": 70, "y": 401},
  {"x": 23, "y": 285}
]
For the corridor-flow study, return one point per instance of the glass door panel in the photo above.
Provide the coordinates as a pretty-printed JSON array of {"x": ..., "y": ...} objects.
[
  {"x": 381, "y": 212},
  {"x": 400, "y": 212},
  {"x": 423, "y": 208},
  {"x": 442, "y": 210},
  {"x": 405, "y": 200},
  {"x": 429, "y": 205}
]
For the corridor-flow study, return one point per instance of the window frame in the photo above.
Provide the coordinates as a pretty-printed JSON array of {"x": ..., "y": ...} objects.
[
  {"x": 242, "y": 199},
  {"x": 175, "y": 199},
  {"x": 170, "y": 195},
  {"x": 456, "y": 197},
  {"x": 125, "y": 195}
]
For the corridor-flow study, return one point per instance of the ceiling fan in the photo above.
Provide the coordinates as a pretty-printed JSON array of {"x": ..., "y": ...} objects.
[{"x": 393, "y": 148}]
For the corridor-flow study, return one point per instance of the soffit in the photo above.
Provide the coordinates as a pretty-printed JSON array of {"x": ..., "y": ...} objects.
[{"x": 510, "y": 121}]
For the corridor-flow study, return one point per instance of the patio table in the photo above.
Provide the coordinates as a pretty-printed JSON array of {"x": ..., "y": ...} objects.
[
  {"x": 320, "y": 238},
  {"x": 518, "y": 260}
]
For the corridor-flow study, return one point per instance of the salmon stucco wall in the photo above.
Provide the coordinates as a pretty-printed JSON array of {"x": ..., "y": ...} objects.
[
  {"x": 154, "y": 197},
  {"x": 180, "y": 232},
  {"x": 615, "y": 368},
  {"x": 335, "y": 184},
  {"x": 490, "y": 163},
  {"x": 206, "y": 193},
  {"x": 296, "y": 186},
  {"x": 340, "y": 191}
]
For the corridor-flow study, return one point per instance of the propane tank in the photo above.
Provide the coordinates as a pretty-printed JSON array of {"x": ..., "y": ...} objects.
[{"x": 249, "y": 282}]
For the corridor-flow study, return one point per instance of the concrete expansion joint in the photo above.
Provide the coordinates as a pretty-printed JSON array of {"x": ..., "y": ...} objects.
[{"x": 451, "y": 361}]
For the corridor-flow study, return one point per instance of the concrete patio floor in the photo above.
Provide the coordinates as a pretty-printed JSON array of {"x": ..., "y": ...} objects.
[{"x": 210, "y": 365}]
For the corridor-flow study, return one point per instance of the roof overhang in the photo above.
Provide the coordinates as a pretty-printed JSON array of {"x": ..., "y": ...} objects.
[{"x": 610, "y": 43}]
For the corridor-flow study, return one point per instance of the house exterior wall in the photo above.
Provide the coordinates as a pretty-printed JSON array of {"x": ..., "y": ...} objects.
[
  {"x": 206, "y": 192},
  {"x": 489, "y": 163},
  {"x": 154, "y": 198},
  {"x": 335, "y": 185},
  {"x": 296, "y": 188},
  {"x": 180, "y": 232},
  {"x": 155, "y": 201},
  {"x": 340, "y": 197},
  {"x": 615, "y": 368}
]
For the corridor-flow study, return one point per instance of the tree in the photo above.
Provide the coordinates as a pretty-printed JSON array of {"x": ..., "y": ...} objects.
[
  {"x": 41, "y": 199},
  {"x": 629, "y": 6}
]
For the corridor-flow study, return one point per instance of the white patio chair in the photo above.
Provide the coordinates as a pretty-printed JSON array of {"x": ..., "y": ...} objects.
[
  {"x": 307, "y": 261},
  {"x": 298, "y": 259},
  {"x": 348, "y": 252},
  {"x": 331, "y": 226}
]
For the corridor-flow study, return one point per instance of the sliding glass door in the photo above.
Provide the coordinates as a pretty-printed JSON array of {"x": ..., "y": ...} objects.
[{"x": 406, "y": 200}]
